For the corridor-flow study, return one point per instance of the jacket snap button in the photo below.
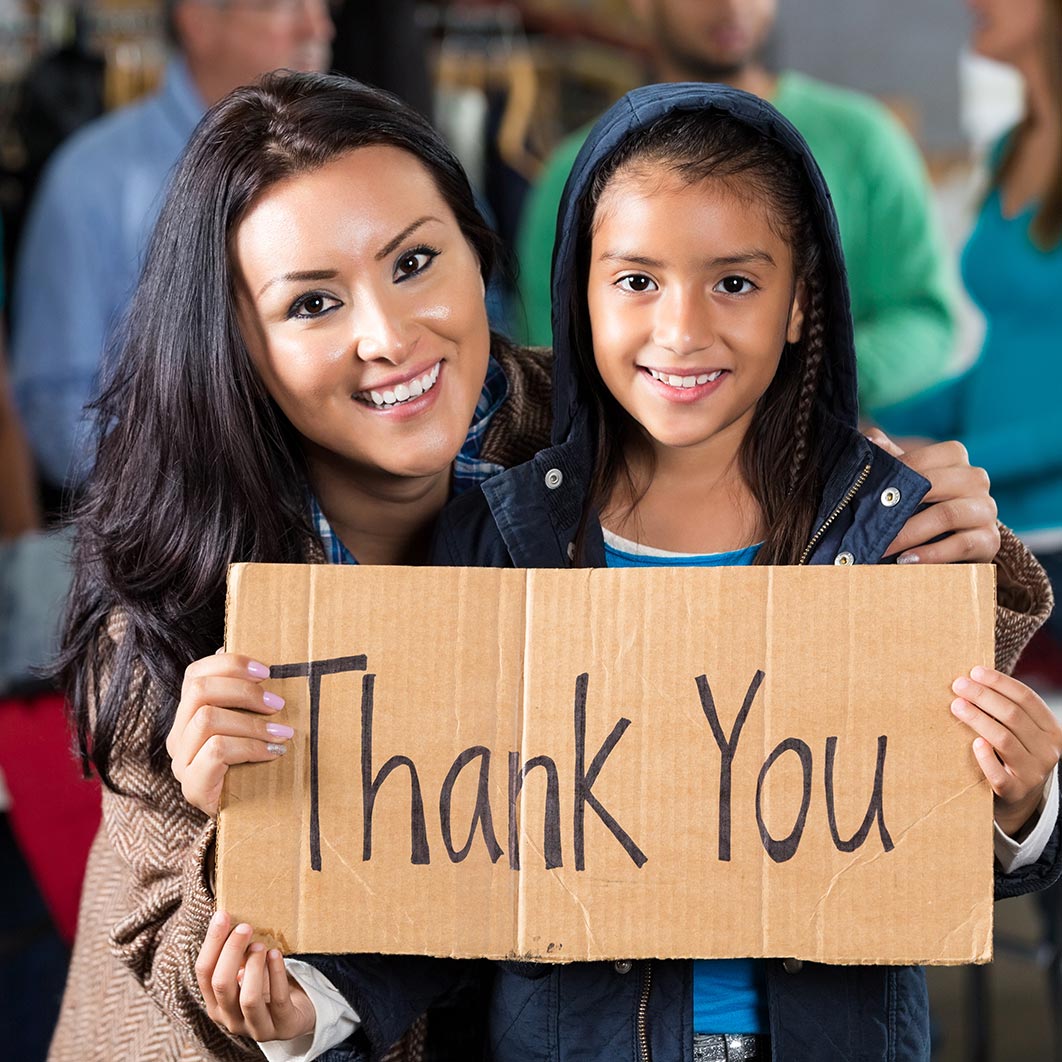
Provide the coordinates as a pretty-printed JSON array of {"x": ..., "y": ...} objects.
[
  {"x": 889, "y": 497},
  {"x": 554, "y": 478},
  {"x": 792, "y": 966},
  {"x": 623, "y": 966},
  {"x": 844, "y": 558},
  {"x": 571, "y": 551}
]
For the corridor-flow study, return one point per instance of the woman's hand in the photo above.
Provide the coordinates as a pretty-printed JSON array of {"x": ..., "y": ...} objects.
[
  {"x": 246, "y": 989},
  {"x": 219, "y": 722},
  {"x": 959, "y": 506},
  {"x": 1018, "y": 744}
]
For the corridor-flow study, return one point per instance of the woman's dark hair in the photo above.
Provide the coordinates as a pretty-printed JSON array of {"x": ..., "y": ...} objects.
[
  {"x": 196, "y": 468},
  {"x": 780, "y": 453}
]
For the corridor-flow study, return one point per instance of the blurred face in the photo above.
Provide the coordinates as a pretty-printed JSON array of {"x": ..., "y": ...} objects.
[
  {"x": 692, "y": 298},
  {"x": 1007, "y": 30},
  {"x": 239, "y": 40},
  {"x": 362, "y": 306},
  {"x": 708, "y": 39}
]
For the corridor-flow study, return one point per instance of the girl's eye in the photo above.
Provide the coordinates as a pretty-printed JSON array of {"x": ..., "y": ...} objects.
[
  {"x": 414, "y": 262},
  {"x": 636, "y": 282},
  {"x": 735, "y": 285},
  {"x": 313, "y": 304}
]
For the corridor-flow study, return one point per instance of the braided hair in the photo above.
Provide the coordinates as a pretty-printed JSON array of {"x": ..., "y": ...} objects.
[{"x": 780, "y": 455}]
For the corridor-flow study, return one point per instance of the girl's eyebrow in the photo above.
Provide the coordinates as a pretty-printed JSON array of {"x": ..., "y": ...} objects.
[{"x": 739, "y": 258}]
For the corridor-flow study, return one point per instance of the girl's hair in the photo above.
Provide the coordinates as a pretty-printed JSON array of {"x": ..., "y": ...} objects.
[
  {"x": 780, "y": 455},
  {"x": 1046, "y": 227},
  {"x": 196, "y": 467}
]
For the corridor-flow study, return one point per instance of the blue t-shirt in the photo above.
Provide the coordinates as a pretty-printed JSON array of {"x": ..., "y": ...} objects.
[{"x": 729, "y": 995}]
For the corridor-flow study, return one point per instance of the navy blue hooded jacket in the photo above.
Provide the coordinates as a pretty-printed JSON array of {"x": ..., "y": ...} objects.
[{"x": 528, "y": 517}]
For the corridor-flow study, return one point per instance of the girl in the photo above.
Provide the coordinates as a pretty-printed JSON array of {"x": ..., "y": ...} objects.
[{"x": 704, "y": 412}]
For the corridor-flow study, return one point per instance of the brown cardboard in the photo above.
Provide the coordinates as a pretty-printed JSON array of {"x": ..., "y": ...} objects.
[{"x": 858, "y": 660}]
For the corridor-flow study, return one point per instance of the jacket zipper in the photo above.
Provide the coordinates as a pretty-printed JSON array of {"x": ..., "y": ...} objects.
[
  {"x": 852, "y": 491},
  {"x": 643, "y": 1011}
]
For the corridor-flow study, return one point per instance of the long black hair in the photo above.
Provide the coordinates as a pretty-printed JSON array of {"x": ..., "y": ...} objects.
[
  {"x": 780, "y": 454},
  {"x": 196, "y": 467}
]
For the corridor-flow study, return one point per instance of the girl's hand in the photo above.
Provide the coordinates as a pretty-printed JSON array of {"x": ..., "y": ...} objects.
[
  {"x": 1018, "y": 745},
  {"x": 246, "y": 989},
  {"x": 219, "y": 722},
  {"x": 959, "y": 506}
]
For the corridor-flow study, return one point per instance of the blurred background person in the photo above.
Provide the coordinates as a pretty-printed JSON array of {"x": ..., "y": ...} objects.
[
  {"x": 898, "y": 266},
  {"x": 1004, "y": 408},
  {"x": 98, "y": 200}
]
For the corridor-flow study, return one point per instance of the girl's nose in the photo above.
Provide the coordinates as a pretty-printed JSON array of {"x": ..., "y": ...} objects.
[{"x": 682, "y": 324}]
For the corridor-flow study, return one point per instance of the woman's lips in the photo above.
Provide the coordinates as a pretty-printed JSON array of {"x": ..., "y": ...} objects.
[{"x": 390, "y": 396}]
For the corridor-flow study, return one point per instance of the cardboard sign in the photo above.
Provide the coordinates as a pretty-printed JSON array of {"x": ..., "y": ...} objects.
[{"x": 596, "y": 764}]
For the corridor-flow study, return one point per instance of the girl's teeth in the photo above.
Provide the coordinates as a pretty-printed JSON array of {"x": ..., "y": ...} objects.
[
  {"x": 403, "y": 392},
  {"x": 686, "y": 381}
]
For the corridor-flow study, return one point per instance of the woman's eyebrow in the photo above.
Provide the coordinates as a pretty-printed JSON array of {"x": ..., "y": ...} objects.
[
  {"x": 304, "y": 274},
  {"x": 404, "y": 234}
]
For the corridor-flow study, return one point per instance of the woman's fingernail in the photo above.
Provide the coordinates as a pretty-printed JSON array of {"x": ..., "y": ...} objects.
[
  {"x": 272, "y": 700},
  {"x": 219, "y": 917},
  {"x": 256, "y": 947},
  {"x": 909, "y": 558},
  {"x": 243, "y": 927},
  {"x": 962, "y": 683},
  {"x": 257, "y": 670},
  {"x": 274, "y": 953},
  {"x": 958, "y": 706},
  {"x": 279, "y": 730},
  {"x": 979, "y": 673},
  {"x": 276, "y": 750}
]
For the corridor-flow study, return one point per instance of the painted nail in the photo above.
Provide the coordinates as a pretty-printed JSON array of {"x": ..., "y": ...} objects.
[
  {"x": 909, "y": 558},
  {"x": 257, "y": 670},
  {"x": 276, "y": 750},
  {"x": 272, "y": 700},
  {"x": 279, "y": 730}
]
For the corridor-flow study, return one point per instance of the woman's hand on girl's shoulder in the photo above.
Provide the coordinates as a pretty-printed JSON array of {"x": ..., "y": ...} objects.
[
  {"x": 220, "y": 722},
  {"x": 247, "y": 989},
  {"x": 959, "y": 506},
  {"x": 1018, "y": 743}
]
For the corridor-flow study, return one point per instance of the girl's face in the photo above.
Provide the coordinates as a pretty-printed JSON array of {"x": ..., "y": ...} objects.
[
  {"x": 1007, "y": 30},
  {"x": 692, "y": 298},
  {"x": 362, "y": 306}
]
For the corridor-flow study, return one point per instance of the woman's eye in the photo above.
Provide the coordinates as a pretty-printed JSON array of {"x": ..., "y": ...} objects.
[
  {"x": 414, "y": 262},
  {"x": 636, "y": 282},
  {"x": 735, "y": 285},
  {"x": 312, "y": 305}
]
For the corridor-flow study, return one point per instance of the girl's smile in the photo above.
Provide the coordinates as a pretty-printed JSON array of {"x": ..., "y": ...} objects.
[{"x": 692, "y": 299}]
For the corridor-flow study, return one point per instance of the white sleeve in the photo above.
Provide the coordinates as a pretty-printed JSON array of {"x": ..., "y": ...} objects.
[
  {"x": 336, "y": 1019},
  {"x": 1013, "y": 855}
]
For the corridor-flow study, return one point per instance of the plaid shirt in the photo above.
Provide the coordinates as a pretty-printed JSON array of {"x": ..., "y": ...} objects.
[{"x": 469, "y": 469}]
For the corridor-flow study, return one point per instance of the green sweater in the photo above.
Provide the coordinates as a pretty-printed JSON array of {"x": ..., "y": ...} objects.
[{"x": 899, "y": 270}]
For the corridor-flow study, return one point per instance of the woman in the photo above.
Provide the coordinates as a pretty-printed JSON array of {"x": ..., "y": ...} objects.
[
  {"x": 318, "y": 261},
  {"x": 1005, "y": 408}
]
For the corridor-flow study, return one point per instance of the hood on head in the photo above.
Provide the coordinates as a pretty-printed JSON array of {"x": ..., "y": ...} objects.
[{"x": 635, "y": 111}]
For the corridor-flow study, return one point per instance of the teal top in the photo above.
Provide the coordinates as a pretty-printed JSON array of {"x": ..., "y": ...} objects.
[
  {"x": 729, "y": 995},
  {"x": 1005, "y": 407},
  {"x": 899, "y": 268}
]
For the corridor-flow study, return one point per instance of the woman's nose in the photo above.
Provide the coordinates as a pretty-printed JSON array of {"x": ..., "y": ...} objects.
[
  {"x": 683, "y": 322},
  {"x": 380, "y": 334}
]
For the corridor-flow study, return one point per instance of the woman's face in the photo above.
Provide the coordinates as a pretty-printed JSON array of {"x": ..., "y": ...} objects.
[
  {"x": 362, "y": 306},
  {"x": 1007, "y": 30}
]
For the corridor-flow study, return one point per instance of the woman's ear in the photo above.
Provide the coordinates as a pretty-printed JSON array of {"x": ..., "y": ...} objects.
[{"x": 795, "y": 324}]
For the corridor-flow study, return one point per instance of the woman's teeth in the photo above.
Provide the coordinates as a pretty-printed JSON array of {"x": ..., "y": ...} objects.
[
  {"x": 403, "y": 392},
  {"x": 686, "y": 381}
]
